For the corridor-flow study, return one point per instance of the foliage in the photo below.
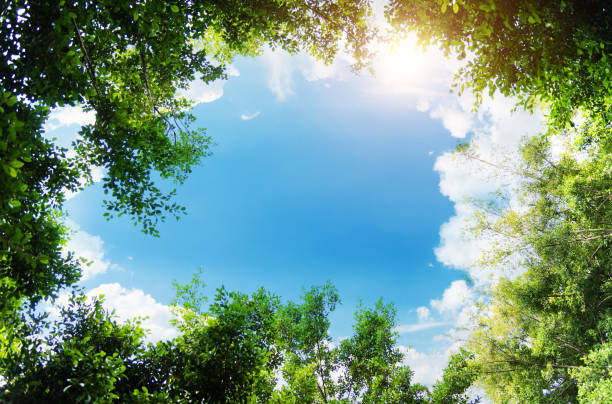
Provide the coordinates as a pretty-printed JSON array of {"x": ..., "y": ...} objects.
[
  {"x": 459, "y": 375},
  {"x": 595, "y": 377},
  {"x": 310, "y": 355},
  {"x": 551, "y": 324},
  {"x": 232, "y": 358},
  {"x": 80, "y": 357},
  {"x": 552, "y": 51},
  {"x": 543, "y": 334},
  {"x": 370, "y": 356},
  {"x": 364, "y": 368},
  {"x": 233, "y": 353},
  {"x": 34, "y": 174}
]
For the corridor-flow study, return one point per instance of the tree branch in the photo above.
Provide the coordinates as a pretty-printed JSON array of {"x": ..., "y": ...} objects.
[
  {"x": 89, "y": 68},
  {"x": 145, "y": 81}
]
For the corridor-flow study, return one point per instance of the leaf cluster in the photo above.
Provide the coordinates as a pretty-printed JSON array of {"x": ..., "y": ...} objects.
[{"x": 552, "y": 52}]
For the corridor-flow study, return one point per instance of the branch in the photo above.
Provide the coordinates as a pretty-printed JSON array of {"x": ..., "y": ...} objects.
[
  {"x": 576, "y": 240},
  {"x": 90, "y": 70},
  {"x": 324, "y": 391},
  {"x": 145, "y": 81},
  {"x": 564, "y": 342},
  {"x": 591, "y": 230},
  {"x": 606, "y": 298}
]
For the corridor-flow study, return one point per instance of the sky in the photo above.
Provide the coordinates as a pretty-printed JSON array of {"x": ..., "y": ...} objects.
[{"x": 318, "y": 175}]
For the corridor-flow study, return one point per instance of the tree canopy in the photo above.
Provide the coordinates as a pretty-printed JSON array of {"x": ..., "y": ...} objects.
[
  {"x": 556, "y": 52},
  {"x": 543, "y": 336},
  {"x": 551, "y": 324},
  {"x": 238, "y": 349}
]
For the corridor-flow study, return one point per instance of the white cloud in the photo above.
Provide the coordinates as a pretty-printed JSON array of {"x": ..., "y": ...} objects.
[
  {"x": 280, "y": 73},
  {"x": 427, "y": 367},
  {"x": 89, "y": 247},
  {"x": 423, "y": 313},
  {"x": 457, "y": 249},
  {"x": 491, "y": 166},
  {"x": 314, "y": 69},
  {"x": 69, "y": 115},
  {"x": 248, "y": 116},
  {"x": 462, "y": 177},
  {"x": 409, "y": 328},
  {"x": 456, "y": 296},
  {"x": 423, "y": 105},
  {"x": 282, "y": 68},
  {"x": 232, "y": 70},
  {"x": 425, "y": 323},
  {"x": 457, "y": 121},
  {"x": 97, "y": 173},
  {"x": 130, "y": 303},
  {"x": 200, "y": 92}
]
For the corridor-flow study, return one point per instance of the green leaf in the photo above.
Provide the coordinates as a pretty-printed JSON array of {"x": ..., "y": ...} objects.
[
  {"x": 174, "y": 8},
  {"x": 444, "y": 6},
  {"x": 11, "y": 101},
  {"x": 455, "y": 8},
  {"x": 16, "y": 164}
]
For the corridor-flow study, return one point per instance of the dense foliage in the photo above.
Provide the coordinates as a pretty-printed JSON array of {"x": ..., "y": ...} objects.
[
  {"x": 552, "y": 51},
  {"x": 551, "y": 325},
  {"x": 241, "y": 349}
]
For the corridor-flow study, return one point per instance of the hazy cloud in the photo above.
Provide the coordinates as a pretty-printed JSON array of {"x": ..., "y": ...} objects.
[{"x": 248, "y": 116}]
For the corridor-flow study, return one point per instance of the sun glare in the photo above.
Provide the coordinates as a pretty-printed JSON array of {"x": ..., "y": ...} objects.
[{"x": 401, "y": 63}]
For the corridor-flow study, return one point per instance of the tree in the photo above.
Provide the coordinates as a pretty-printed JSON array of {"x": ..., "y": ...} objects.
[
  {"x": 363, "y": 368},
  {"x": 83, "y": 356},
  {"x": 125, "y": 61},
  {"x": 551, "y": 324},
  {"x": 230, "y": 356},
  {"x": 459, "y": 375},
  {"x": 543, "y": 334},
  {"x": 370, "y": 356},
  {"x": 308, "y": 345},
  {"x": 231, "y": 351},
  {"x": 552, "y": 51},
  {"x": 34, "y": 176}
]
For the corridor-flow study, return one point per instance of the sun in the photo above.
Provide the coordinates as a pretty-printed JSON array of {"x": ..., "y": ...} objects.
[{"x": 401, "y": 63}]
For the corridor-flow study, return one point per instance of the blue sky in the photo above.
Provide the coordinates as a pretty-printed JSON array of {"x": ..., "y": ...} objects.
[{"x": 316, "y": 175}]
